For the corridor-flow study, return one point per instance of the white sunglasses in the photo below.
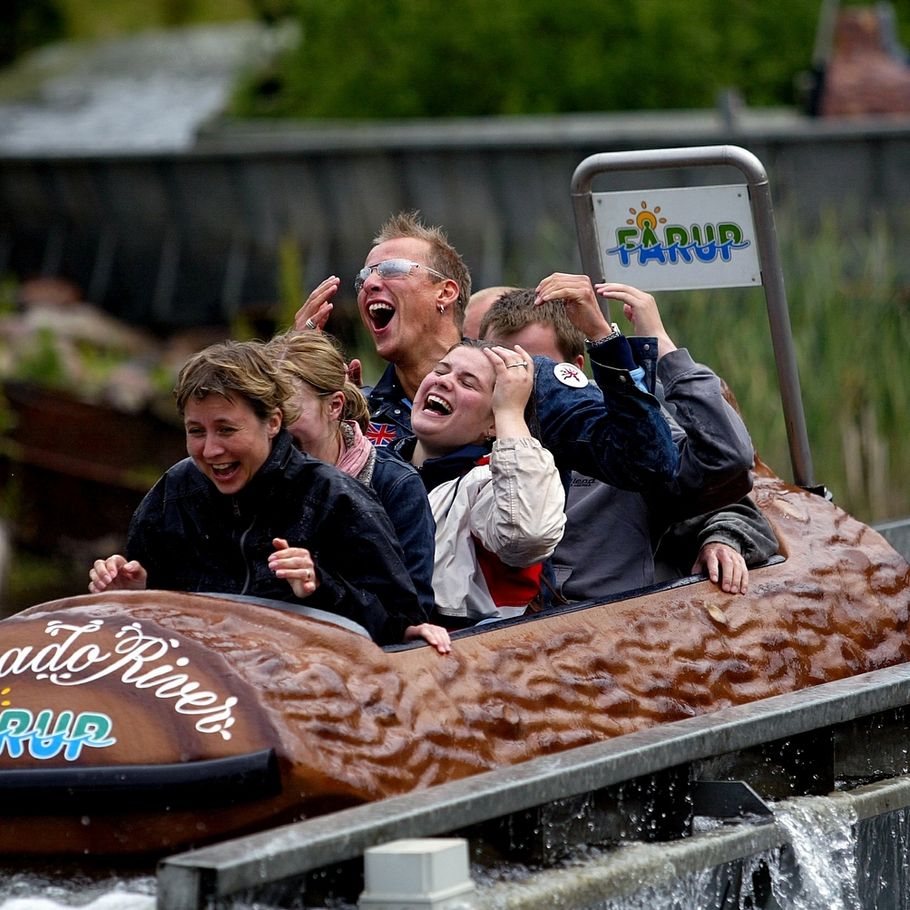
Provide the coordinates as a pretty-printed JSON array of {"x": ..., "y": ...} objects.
[{"x": 391, "y": 268}]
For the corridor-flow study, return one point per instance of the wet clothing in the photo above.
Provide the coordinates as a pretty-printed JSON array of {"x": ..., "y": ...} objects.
[
  {"x": 611, "y": 534},
  {"x": 611, "y": 430},
  {"x": 716, "y": 452},
  {"x": 498, "y": 515},
  {"x": 191, "y": 537}
]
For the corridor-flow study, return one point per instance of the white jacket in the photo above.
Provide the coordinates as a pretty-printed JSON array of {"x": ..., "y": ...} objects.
[{"x": 514, "y": 506}]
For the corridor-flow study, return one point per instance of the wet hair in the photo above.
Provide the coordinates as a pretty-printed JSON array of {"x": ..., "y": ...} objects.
[
  {"x": 316, "y": 359},
  {"x": 443, "y": 256},
  {"x": 236, "y": 370},
  {"x": 516, "y": 310}
]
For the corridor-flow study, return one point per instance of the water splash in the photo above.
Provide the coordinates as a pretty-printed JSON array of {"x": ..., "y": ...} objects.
[
  {"x": 48, "y": 891},
  {"x": 818, "y": 870}
]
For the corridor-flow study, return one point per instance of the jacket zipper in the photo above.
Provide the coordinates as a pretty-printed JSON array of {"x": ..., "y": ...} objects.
[{"x": 241, "y": 542}]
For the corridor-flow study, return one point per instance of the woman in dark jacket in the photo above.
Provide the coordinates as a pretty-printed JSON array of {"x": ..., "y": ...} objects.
[
  {"x": 247, "y": 513},
  {"x": 333, "y": 425}
]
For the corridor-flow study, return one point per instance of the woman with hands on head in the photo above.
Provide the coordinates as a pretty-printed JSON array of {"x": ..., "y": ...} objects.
[
  {"x": 247, "y": 513},
  {"x": 494, "y": 489}
]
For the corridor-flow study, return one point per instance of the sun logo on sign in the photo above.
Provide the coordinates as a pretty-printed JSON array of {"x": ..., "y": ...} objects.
[{"x": 646, "y": 221}]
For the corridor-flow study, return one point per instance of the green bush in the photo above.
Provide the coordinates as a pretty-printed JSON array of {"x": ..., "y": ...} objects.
[{"x": 417, "y": 58}]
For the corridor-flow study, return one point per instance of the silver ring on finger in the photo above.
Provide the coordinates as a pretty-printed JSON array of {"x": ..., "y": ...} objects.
[
  {"x": 310, "y": 324},
  {"x": 521, "y": 363}
]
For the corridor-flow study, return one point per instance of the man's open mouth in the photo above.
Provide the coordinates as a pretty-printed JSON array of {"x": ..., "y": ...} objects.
[
  {"x": 437, "y": 405},
  {"x": 380, "y": 314}
]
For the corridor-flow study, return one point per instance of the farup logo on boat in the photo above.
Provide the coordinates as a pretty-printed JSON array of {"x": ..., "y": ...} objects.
[
  {"x": 650, "y": 238},
  {"x": 75, "y": 660},
  {"x": 44, "y": 737}
]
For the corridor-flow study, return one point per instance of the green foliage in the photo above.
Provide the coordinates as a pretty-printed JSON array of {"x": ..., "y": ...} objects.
[
  {"x": 8, "y": 287},
  {"x": 41, "y": 363},
  {"x": 292, "y": 290},
  {"x": 416, "y": 58},
  {"x": 89, "y": 19},
  {"x": 38, "y": 577}
]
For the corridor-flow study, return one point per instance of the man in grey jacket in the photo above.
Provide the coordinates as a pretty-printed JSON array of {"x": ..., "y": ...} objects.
[{"x": 612, "y": 534}]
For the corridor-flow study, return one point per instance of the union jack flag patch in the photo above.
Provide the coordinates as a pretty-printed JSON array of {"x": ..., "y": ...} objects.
[{"x": 381, "y": 434}]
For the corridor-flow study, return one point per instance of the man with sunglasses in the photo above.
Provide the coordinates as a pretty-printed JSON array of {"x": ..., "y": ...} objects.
[{"x": 411, "y": 295}]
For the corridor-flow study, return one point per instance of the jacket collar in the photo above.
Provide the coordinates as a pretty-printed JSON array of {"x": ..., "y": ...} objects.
[
  {"x": 274, "y": 467},
  {"x": 435, "y": 471}
]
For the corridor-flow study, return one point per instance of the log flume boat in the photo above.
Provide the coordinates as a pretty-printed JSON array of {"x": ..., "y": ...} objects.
[{"x": 145, "y": 722}]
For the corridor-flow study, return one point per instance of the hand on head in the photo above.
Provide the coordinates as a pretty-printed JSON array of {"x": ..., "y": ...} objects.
[
  {"x": 513, "y": 383},
  {"x": 295, "y": 565},
  {"x": 582, "y": 308},
  {"x": 641, "y": 310},
  {"x": 314, "y": 314},
  {"x": 117, "y": 573}
]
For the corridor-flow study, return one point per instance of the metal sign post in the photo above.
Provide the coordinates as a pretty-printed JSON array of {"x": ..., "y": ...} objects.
[{"x": 647, "y": 241}]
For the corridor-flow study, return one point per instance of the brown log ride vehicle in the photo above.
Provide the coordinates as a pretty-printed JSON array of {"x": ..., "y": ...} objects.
[{"x": 148, "y": 721}]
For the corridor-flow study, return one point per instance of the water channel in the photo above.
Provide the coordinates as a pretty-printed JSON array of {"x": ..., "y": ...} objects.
[{"x": 821, "y": 867}]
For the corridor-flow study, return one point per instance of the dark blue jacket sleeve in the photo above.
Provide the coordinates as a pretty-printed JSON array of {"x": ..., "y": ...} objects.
[
  {"x": 612, "y": 431},
  {"x": 401, "y": 492}
]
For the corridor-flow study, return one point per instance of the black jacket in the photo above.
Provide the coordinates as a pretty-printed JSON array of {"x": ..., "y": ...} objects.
[{"x": 191, "y": 537}]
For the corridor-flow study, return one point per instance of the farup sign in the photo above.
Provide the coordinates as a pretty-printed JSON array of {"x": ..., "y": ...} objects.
[{"x": 675, "y": 239}]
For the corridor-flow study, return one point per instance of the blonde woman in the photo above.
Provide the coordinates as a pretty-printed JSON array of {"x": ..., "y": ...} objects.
[{"x": 333, "y": 418}]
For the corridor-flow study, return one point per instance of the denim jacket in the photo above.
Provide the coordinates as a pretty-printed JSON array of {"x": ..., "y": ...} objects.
[{"x": 390, "y": 410}]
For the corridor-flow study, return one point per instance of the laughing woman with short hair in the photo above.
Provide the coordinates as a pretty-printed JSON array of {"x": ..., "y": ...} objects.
[{"x": 247, "y": 513}]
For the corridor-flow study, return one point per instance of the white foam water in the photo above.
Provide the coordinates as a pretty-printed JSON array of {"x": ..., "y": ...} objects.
[
  {"x": 31, "y": 891},
  {"x": 822, "y": 844}
]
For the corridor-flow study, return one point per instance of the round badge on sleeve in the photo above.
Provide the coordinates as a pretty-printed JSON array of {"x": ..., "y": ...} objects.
[{"x": 570, "y": 375}]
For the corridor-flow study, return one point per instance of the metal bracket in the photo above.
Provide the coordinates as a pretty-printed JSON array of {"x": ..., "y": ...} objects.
[{"x": 726, "y": 799}]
